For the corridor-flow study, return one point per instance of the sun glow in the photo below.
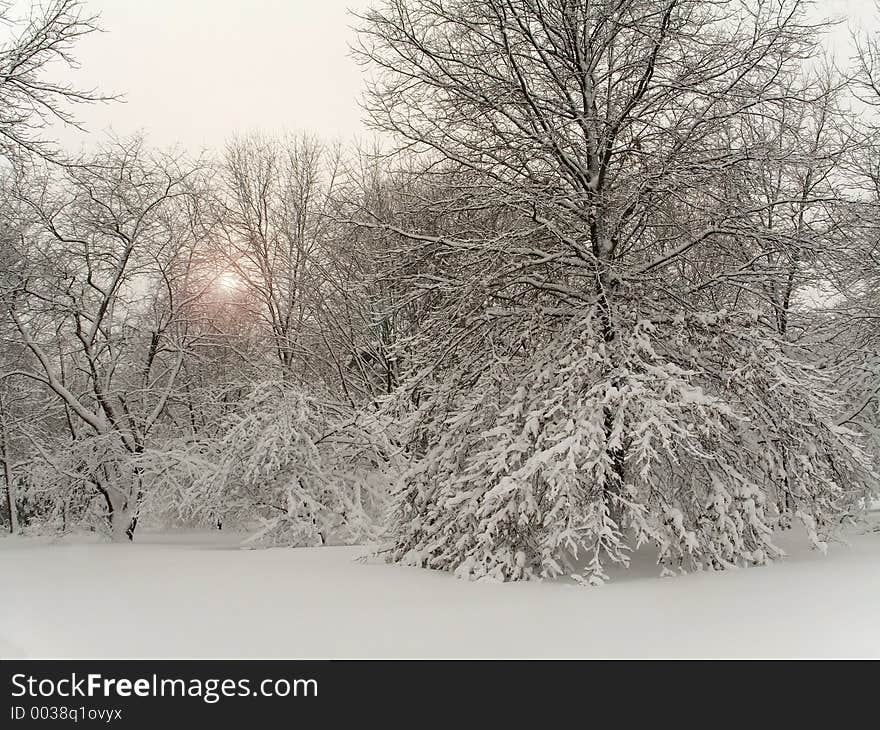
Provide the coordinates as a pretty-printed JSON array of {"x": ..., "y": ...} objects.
[{"x": 228, "y": 282}]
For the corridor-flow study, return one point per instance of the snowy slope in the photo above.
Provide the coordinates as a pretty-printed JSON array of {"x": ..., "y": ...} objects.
[{"x": 197, "y": 595}]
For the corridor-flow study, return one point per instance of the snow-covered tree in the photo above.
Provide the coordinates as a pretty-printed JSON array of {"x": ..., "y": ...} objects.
[
  {"x": 96, "y": 295},
  {"x": 697, "y": 433},
  {"x": 302, "y": 470},
  {"x": 601, "y": 365}
]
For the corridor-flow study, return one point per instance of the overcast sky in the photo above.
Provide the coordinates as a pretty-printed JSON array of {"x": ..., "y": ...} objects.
[{"x": 195, "y": 71}]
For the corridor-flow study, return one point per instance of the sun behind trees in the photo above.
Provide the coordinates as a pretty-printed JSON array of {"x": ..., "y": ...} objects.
[{"x": 612, "y": 288}]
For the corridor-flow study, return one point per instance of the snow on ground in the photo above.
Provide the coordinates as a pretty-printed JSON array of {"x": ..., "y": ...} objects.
[{"x": 197, "y": 595}]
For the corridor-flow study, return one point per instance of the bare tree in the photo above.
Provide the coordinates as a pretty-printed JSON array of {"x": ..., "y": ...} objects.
[
  {"x": 100, "y": 301},
  {"x": 30, "y": 102},
  {"x": 274, "y": 221}
]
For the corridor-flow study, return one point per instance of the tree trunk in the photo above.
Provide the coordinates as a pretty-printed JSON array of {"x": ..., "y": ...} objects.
[
  {"x": 605, "y": 291},
  {"x": 14, "y": 527},
  {"x": 122, "y": 524}
]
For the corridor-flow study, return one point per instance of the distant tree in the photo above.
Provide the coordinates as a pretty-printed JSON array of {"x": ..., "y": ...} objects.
[
  {"x": 273, "y": 217},
  {"x": 300, "y": 471}
]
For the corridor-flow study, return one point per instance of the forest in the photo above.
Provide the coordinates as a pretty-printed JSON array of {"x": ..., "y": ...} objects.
[{"x": 605, "y": 278}]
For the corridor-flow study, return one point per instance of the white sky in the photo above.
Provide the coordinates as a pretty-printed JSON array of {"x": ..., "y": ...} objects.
[{"x": 195, "y": 71}]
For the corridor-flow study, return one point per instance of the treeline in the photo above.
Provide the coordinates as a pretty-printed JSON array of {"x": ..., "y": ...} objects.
[{"x": 204, "y": 340}]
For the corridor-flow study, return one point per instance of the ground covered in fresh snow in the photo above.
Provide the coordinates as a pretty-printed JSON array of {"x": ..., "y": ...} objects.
[{"x": 198, "y": 595}]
